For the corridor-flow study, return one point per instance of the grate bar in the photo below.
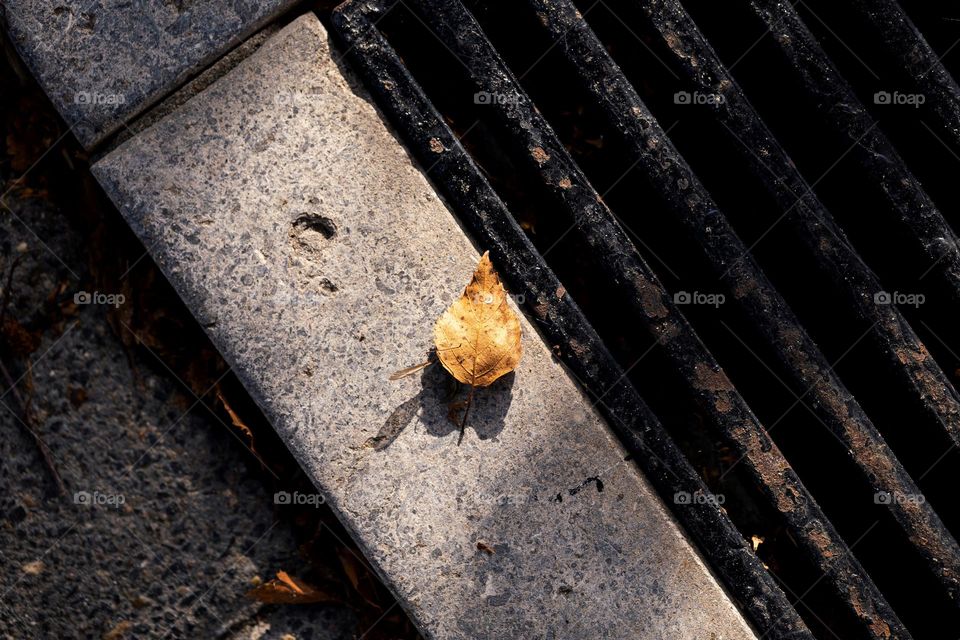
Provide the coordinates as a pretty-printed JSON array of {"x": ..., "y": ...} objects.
[
  {"x": 922, "y": 64},
  {"x": 557, "y": 315},
  {"x": 724, "y": 408},
  {"x": 800, "y": 357}
]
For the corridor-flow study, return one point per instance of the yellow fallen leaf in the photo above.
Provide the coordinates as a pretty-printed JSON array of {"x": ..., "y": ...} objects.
[{"x": 478, "y": 338}]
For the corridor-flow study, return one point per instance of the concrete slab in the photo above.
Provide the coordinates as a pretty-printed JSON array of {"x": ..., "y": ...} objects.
[
  {"x": 317, "y": 256},
  {"x": 102, "y": 63}
]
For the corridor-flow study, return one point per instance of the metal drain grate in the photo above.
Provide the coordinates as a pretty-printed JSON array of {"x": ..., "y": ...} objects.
[{"x": 516, "y": 160}]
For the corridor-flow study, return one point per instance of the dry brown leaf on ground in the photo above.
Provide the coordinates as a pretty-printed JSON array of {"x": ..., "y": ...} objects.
[
  {"x": 478, "y": 337},
  {"x": 285, "y": 589},
  {"x": 236, "y": 420},
  {"x": 360, "y": 576}
]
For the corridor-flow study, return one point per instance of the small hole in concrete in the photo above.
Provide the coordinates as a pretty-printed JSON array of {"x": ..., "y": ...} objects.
[{"x": 314, "y": 222}]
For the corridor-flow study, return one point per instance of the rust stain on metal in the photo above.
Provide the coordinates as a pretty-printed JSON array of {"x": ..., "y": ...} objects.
[
  {"x": 667, "y": 331},
  {"x": 907, "y": 356},
  {"x": 539, "y": 155},
  {"x": 744, "y": 287},
  {"x": 651, "y": 297},
  {"x": 823, "y": 542},
  {"x": 578, "y": 349},
  {"x": 880, "y": 627},
  {"x": 675, "y": 43},
  {"x": 838, "y": 406},
  {"x": 540, "y": 309},
  {"x": 722, "y": 404},
  {"x": 787, "y": 498},
  {"x": 867, "y": 613},
  {"x": 791, "y": 336},
  {"x": 672, "y": 41},
  {"x": 706, "y": 379}
]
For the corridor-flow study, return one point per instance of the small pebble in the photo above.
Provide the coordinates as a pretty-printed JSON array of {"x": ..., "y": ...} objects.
[{"x": 33, "y": 568}]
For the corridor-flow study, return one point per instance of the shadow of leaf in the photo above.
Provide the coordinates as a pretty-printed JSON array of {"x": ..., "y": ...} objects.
[
  {"x": 437, "y": 390},
  {"x": 395, "y": 424}
]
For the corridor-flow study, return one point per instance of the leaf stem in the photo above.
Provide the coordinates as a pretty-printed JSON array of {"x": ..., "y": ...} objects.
[{"x": 466, "y": 411}]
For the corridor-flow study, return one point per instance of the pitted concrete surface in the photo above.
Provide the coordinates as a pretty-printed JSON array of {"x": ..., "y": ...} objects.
[
  {"x": 102, "y": 63},
  {"x": 318, "y": 257}
]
